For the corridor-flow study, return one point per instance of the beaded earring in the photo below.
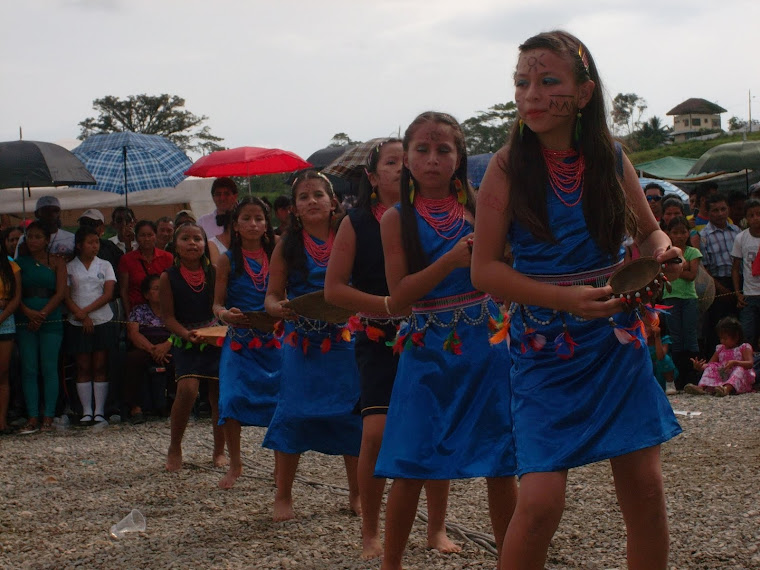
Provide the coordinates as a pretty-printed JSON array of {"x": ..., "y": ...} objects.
[
  {"x": 411, "y": 190},
  {"x": 578, "y": 128},
  {"x": 521, "y": 126},
  {"x": 373, "y": 196},
  {"x": 461, "y": 194}
]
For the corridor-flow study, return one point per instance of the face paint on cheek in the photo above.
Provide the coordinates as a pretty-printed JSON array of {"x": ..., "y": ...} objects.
[{"x": 561, "y": 105}]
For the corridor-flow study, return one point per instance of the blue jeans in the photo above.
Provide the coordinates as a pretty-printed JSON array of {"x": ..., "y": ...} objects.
[
  {"x": 682, "y": 324},
  {"x": 749, "y": 316}
]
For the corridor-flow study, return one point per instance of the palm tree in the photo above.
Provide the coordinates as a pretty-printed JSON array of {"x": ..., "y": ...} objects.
[{"x": 651, "y": 134}]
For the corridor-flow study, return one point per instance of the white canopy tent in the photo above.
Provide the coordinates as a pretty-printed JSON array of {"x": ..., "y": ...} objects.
[{"x": 196, "y": 192}]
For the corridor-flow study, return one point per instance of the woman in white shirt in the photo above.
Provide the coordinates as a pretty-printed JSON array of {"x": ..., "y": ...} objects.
[{"x": 89, "y": 331}]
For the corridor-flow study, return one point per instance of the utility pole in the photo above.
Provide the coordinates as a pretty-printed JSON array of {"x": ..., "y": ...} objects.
[{"x": 749, "y": 105}]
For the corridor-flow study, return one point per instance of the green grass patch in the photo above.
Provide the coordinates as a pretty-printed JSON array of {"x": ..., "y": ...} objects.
[{"x": 688, "y": 149}]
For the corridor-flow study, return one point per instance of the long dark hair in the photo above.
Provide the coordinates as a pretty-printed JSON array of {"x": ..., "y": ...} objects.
[
  {"x": 267, "y": 240},
  {"x": 364, "y": 194},
  {"x": 603, "y": 196},
  {"x": 208, "y": 268},
  {"x": 6, "y": 271},
  {"x": 416, "y": 259},
  {"x": 293, "y": 249}
]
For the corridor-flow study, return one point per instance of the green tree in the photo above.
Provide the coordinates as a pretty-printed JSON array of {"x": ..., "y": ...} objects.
[
  {"x": 341, "y": 139},
  {"x": 487, "y": 131},
  {"x": 627, "y": 109},
  {"x": 163, "y": 115},
  {"x": 651, "y": 134}
]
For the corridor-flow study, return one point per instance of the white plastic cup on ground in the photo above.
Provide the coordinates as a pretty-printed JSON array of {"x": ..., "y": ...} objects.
[{"x": 133, "y": 522}]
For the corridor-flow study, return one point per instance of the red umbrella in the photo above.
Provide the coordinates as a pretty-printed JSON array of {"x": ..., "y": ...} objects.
[{"x": 246, "y": 161}]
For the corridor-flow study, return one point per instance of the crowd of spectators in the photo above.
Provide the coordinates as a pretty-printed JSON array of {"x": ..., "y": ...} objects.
[
  {"x": 81, "y": 333},
  {"x": 81, "y": 302}
]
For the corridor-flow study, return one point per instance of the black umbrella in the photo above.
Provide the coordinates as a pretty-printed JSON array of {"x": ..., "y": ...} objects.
[
  {"x": 27, "y": 164},
  {"x": 320, "y": 159}
]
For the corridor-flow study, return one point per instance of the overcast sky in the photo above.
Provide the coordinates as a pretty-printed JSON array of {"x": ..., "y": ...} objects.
[{"x": 290, "y": 74}]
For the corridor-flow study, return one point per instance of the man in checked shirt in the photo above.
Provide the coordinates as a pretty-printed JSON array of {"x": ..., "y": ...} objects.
[{"x": 716, "y": 242}]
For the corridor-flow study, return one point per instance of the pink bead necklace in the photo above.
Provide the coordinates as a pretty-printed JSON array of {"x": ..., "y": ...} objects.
[
  {"x": 259, "y": 278},
  {"x": 195, "y": 278},
  {"x": 378, "y": 210},
  {"x": 565, "y": 177},
  {"x": 443, "y": 214},
  {"x": 319, "y": 253}
]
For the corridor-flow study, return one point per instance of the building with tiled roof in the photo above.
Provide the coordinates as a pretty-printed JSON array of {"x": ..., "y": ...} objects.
[{"x": 695, "y": 117}]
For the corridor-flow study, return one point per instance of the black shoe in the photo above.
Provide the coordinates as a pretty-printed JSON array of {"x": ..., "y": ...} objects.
[{"x": 137, "y": 418}]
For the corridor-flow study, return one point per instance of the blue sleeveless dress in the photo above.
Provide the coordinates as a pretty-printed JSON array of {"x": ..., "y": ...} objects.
[
  {"x": 249, "y": 370},
  {"x": 318, "y": 390},
  {"x": 449, "y": 415},
  {"x": 594, "y": 398}
]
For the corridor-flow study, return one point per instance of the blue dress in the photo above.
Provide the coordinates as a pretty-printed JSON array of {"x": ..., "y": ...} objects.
[
  {"x": 449, "y": 415},
  {"x": 249, "y": 369},
  {"x": 584, "y": 396},
  {"x": 318, "y": 390}
]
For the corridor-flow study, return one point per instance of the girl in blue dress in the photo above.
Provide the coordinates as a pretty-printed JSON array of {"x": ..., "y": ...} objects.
[
  {"x": 249, "y": 368},
  {"x": 320, "y": 382},
  {"x": 355, "y": 280},
  {"x": 449, "y": 415},
  {"x": 563, "y": 196}
]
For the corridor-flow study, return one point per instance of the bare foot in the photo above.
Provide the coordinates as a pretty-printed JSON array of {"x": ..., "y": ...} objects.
[
  {"x": 229, "y": 479},
  {"x": 174, "y": 460},
  {"x": 371, "y": 547},
  {"x": 221, "y": 460},
  {"x": 283, "y": 510},
  {"x": 355, "y": 504},
  {"x": 440, "y": 542}
]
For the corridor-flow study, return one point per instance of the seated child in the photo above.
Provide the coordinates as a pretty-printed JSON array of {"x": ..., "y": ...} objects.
[{"x": 730, "y": 369}]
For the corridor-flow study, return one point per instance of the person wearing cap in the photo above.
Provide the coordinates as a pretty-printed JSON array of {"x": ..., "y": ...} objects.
[
  {"x": 123, "y": 221},
  {"x": 48, "y": 212},
  {"x": 224, "y": 192},
  {"x": 183, "y": 217}
]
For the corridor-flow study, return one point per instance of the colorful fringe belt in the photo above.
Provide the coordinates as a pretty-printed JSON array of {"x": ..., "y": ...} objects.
[
  {"x": 431, "y": 311},
  {"x": 563, "y": 344}
]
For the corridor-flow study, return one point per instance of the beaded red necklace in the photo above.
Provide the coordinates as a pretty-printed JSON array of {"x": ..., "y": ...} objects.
[
  {"x": 565, "y": 177},
  {"x": 259, "y": 278},
  {"x": 319, "y": 253},
  {"x": 195, "y": 278},
  {"x": 378, "y": 210},
  {"x": 443, "y": 214}
]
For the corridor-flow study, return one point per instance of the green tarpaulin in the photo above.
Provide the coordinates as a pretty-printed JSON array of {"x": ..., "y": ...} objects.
[{"x": 670, "y": 167}]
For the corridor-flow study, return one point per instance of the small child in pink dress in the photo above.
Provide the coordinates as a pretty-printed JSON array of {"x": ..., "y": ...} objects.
[{"x": 730, "y": 368}]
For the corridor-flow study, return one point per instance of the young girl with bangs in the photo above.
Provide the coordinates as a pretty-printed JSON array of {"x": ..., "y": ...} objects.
[
  {"x": 355, "y": 280},
  {"x": 249, "y": 369},
  {"x": 562, "y": 194},
  {"x": 319, "y": 385},
  {"x": 89, "y": 331},
  {"x": 449, "y": 416},
  {"x": 186, "y": 298}
]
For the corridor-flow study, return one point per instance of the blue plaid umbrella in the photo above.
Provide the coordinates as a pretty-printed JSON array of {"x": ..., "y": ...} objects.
[
  {"x": 476, "y": 167},
  {"x": 129, "y": 162}
]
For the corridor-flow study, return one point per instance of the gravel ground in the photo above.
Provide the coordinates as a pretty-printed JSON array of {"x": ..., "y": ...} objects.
[{"x": 62, "y": 491}]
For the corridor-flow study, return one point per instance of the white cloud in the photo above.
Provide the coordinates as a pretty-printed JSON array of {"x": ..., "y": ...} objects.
[{"x": 291, "y": 74}]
